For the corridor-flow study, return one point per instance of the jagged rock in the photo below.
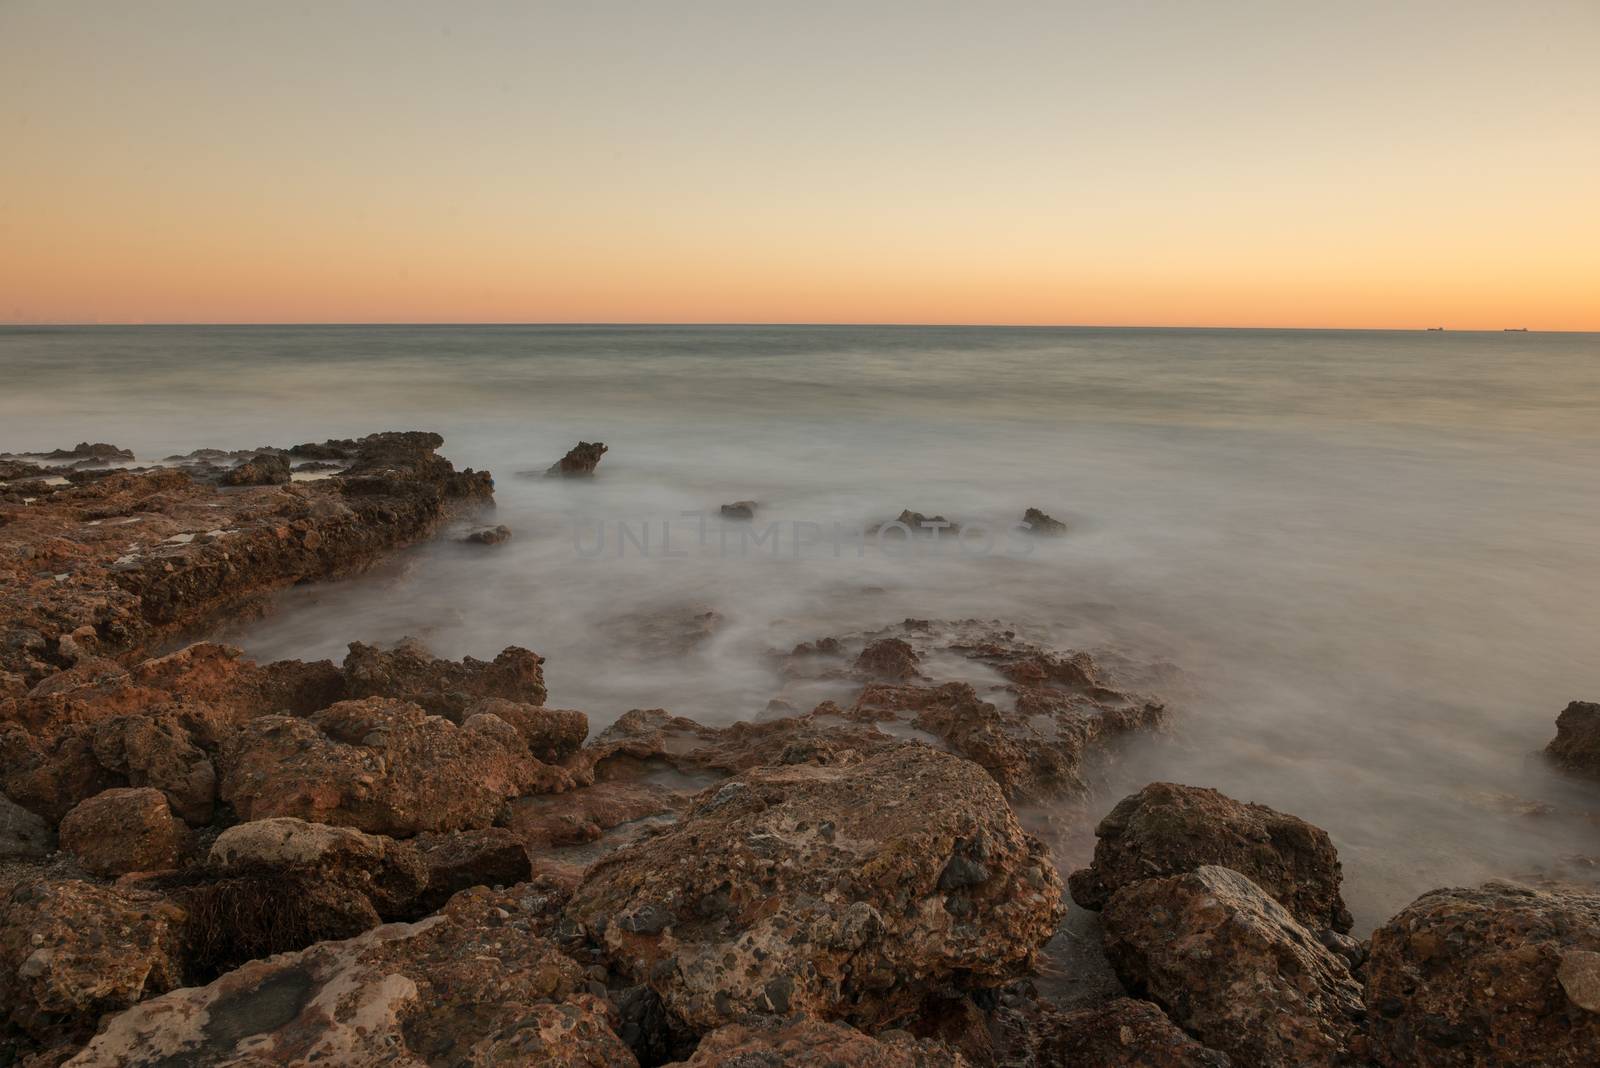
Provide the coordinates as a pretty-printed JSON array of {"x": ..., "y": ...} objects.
[
  {"x": 1576, "y": 746},
  {"x": 70, "y": 951},
  {"x": 149, "y": 553},
  {"x": 888, "y": 658},
  {"x": 262, "y": 469},
  {"x": 920, "y": 526},
  {"x": 1490, "y": 977},
  {"x": 835, "y": 890},
  {"x": 552, "y": 734},
  {"x": 1167, "y": 829},
  {"x": 23, "y": 834},
  {"x": 1121, "y": 1033},
  {"x": 382, "y": 766},
  {"x": 807, "y": 1042},
  {"x": 579, "y": 462},
  {"x": 554, "y": 821},
  {"x": 409, "y": 672},
  {"x": 124, "y": 830},
  {"x": 477, "y": 984},
  {"x": 389, "y": 873},
  {"x": 85, "y": 451},
  {"x": 494, "y": 856},
  {"x": 1041, "y": 523},
  {"x": 1233, "y": 968},
  {"x": 158, "y": 751},
  {"x": 739, "y": 510},
  {"x": 488, "y": 535}
]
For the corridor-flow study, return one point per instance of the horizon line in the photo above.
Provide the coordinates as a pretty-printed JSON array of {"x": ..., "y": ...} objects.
[{"x": 775, "y": 323}]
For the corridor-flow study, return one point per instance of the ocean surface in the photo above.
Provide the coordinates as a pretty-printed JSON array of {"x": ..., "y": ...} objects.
[{"x": 1372, "y": 558}]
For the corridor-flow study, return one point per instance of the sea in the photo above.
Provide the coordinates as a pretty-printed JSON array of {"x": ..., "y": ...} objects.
[{"x": 1366, "y": 563}]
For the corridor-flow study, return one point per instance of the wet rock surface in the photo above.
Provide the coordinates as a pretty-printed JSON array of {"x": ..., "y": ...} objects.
[
  {"x": 1233, "y": 968},
  {"x": 826, "y": 889},
  {"x": 1497, "y": 975},
  {"x": 1168, "y": 829},
  {"x": 579, "y": 462}
]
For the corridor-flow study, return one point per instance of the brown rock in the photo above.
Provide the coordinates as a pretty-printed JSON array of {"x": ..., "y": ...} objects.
[
  {"x": 477, "y": 984},
  {"x": 887, "y": 658},
  {"x": 835, "y": 890},
  {"x": 488, "y": 535},
  {"x": 1167, "y": 829},
  {"x": 123, "y": 830},
  {"x": 389, "y": 873},
  {"x": 739, "y": 510},
  {"x": 158, "y": 751},
  {"x": 1495, "y": 976},
  {"x": 383, "y": 766},
  {"x": 1233, "y": 968},
  {"x": 1041, "y": 523},
  {"x": 1122, "y": 1033},
  {"x": 444, "y": 687},
  {"x": 1576, "y": 747},
  {"x": 70, "y": 951},
  {"x": 494, "y": 856},
  {"x": 552, "y": 734},
  {"x": 807, "y": 1042},
  {"x": 23, "y": 834},
  {"x": 579, "y": 462},
  {"x": 262, "y": 469}
]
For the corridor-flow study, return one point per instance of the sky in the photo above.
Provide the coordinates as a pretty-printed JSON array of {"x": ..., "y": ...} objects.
[{"x": 1333, "y": 164}]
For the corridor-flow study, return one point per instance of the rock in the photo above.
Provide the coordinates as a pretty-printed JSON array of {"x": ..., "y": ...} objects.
[
  {"x": 494, "y": 856},
  {"x": 806, "y": 888},
  {"x": 579, "y": 462},
  {"x": 70, "y": 950},
  {"x": 1043, "y": 524},
  {"x": 887, "y": 658},
  {"x": 262, "y": 469},
  {"x": 1576, "y": 747},
  {"x": 22, "y": 834},
  {"x": 1233, "y": 968},
  {"x": 1495, "y": 976},
  {"x": 409, "y": 672},
  {"x": 555, "y": 821},
  {"x": 477, "y": 984},
  {"x": 552, "y": 734},
  {"x": 124, "y": 830},
  {"x": 488, "y": 535},
  {"x": 739, "y": 510},
  {"x": 807, "y": 1042},
  {"x": 389, "y": 873},
  {"x": 1167, "y": 829},
  {"x": 921, "y": 526},
  {"x": 158, "y": 751},
  {"x": 85, "y": 451},
  {"x": 1122, "y": 1033},
  {"x": 382, "y": 766}
]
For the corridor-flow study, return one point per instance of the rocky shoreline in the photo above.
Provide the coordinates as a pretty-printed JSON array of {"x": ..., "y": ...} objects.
[{"x": 402, "y": 859}]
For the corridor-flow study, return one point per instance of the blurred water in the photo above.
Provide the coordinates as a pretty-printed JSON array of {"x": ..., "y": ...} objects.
[{"x": 1372, "y": 555}]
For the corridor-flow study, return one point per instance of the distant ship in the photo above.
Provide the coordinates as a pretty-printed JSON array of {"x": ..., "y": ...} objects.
[
  {"x": 1515, "y": 330},
  {"x": 1435, "y": 329}
]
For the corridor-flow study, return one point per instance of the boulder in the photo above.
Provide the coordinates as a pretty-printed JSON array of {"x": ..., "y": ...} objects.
[
  {"x": 1121, "y": 1033},
  {"x": 389, "y": 873},
  {"x": 1043, "y": 524},
  {"x": 23, "y": 834},
  {"x": 887, "y": 658},
  {"x": 262, "y": 469},
  {"x": 1576, "y": 747},
  {"x": 409, "y": 672},
  {"x": 579, "y": 462},
  {"x": 1499, "y": 975},
  {"x": 807, "y": 1042},
  {"x": 1167, "y": 829},
  {"x": 70, "y": 950},
  {"x": 848, "y": 891},
  {"x": 494, "y": 856},
  {"x": 158, "y": 751},
  {"x": 1233, "y": 968},
  {"x": 382, "y": 766},
  {"x": 124, "y": 830},
  {"x": 477, "y": 984},
  {"x": 551, "y": 734}
]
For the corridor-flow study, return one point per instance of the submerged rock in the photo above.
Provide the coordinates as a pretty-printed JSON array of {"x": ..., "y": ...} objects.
[
  {"x": 739, "y": 510},
  {"x": 477, "y": 984},
  {"x": 579, "y": 462},
  {"x": 1492, "y": 977},
  {"x": 1166, "y": 829},
  {"x": 834, "y": 890},
  {"x": 124, "y": 830},
  {"x": 1233, "y": 968},
  {"x": 1576, "y": 746},
  {"x": 488, "y": 535}
]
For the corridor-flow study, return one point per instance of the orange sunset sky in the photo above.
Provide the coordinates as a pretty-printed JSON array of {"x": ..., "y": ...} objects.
[{"x": 1251, "y": 164}]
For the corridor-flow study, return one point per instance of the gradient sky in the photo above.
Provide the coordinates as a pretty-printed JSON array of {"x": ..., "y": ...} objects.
[{"x": 1337, "y": 163}]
